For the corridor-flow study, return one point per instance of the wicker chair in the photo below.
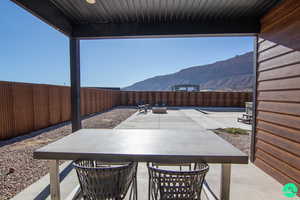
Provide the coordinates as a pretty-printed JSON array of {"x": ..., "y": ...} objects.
[
  {"x": 101, "y": 181},
  {"x": 170, "y": 184},
  {"x": 180, "y": 165}
]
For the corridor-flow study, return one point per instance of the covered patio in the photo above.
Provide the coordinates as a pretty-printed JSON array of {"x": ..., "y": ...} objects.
[
  {"x": 273, "y": 23},
  {"x": 180, "y": 118}
]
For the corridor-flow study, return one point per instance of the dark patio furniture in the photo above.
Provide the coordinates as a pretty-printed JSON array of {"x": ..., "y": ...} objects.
[
  {"x": 245, "y": 119},
  {"x": 100, "y": 180},
  {"x": 171, "y": 184},
  {"x": 142, "y": 107}
]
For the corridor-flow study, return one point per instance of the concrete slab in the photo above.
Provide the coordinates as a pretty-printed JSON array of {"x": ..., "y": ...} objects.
[
  {"x": 148, "y": 125},
  {"x": 187, "y": 118},
  {"x": 247, "y": 182},
  {"x": 213, "y": 120},
  {"x": 179, "y": 126},
  {"x": 173, "y": 119}
]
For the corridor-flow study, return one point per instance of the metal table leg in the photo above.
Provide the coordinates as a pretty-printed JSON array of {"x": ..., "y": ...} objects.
[
  {"x": 54, "y": 179},
  {"x": 225, "y": 182}
]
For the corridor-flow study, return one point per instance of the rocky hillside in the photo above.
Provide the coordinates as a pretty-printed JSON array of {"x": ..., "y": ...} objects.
[{"x": 231, "y": 74}]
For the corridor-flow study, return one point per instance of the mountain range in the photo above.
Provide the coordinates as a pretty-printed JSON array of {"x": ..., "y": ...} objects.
[{"x": 233, "y": 74}]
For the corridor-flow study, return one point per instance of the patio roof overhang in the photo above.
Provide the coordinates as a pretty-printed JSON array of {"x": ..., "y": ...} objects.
[{"x": 150, "y": 18}]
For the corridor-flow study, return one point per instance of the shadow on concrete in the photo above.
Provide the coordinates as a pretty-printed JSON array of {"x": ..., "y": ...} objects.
[{"x": 46, "y": 191}]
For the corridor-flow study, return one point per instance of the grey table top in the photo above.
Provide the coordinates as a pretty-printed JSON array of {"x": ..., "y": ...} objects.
[{"x": 143, "y": 145}]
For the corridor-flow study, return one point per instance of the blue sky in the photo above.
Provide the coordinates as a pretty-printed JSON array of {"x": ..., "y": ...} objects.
[{"x": 31, "y": 51}]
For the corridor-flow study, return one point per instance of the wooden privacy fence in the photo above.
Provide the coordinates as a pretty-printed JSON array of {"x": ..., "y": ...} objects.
[
  {"x": 231, "y": 99},
  {"x": 26, "y": 107}
]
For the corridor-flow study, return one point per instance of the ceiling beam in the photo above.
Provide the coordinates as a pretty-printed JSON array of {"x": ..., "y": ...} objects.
[
  {"x": 47, "y": 12},
  {"x": 94, "y": 31}
]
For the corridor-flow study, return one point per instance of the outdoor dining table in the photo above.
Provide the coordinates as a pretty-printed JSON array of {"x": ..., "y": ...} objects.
[{"x": 142, "y": 145}]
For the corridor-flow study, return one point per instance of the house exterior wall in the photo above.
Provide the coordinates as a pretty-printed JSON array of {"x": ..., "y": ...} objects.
[{"x": 277, "y": 130}]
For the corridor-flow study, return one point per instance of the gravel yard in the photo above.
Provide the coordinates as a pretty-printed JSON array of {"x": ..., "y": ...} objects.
[
  {"x": 18, "y": 169},
  {"x": 242, "y": 142}
]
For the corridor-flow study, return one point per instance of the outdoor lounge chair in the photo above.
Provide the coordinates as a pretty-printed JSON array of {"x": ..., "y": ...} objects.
[
  {"x": 142, "y": 107},
  {"x": 246, "y": 117},
  {"x": 100, "y": 181},
  {"x": 171, "y": 184}
]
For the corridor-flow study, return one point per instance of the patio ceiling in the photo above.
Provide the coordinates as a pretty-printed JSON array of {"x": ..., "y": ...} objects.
[{"x": 150, "y": 18}]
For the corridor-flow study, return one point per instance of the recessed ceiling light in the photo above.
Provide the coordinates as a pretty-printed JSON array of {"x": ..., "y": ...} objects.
[{"x": 91, "y": 1}]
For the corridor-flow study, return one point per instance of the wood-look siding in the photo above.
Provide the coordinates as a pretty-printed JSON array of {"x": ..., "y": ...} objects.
[{"x": 277, "y": 134}]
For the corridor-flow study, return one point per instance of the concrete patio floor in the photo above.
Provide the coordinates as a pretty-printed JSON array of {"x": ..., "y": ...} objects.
[
  {"x": 187, "y": 117},
  {"x": 247, "y": 181}
]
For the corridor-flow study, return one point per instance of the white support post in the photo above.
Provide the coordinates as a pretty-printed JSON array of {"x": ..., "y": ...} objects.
[
  {"x": 54, "y": 179},
  {"x": 225, "y": 182}
]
